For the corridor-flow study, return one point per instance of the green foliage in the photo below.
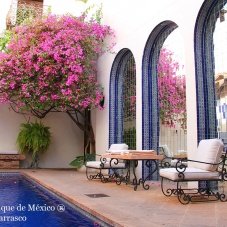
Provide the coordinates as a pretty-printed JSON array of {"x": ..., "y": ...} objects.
[
  {"x": 79, "y": 160},
  {"x": 49, "y": 10},
  {"x": 27, "y": 13},
  {"x": 84, "y": 1},
  {"x": 34, "y": 139},
  {"x": 97, "y": 14},
  {"x": 4, "y": 40},
  {"x": 129, "y": 138}
]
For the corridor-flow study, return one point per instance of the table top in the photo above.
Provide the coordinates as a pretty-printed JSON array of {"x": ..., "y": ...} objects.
[{"x": 134, "y": 155}]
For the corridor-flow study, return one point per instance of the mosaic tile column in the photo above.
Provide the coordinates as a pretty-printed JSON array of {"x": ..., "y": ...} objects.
[
  {"x": 204, "y": 66},
  {"x": 116, "y": 114},
  {"x": 150, "y": 105}
]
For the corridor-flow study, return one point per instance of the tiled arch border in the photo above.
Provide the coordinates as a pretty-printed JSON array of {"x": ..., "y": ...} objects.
[
  {"x": 150, "y": 106},
  {"x": 204, "y": 69},
  {"x": 116, "y": 96}
]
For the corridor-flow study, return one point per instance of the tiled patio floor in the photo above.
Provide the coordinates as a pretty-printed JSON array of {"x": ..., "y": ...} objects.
[{"x": 126, "y": 207}]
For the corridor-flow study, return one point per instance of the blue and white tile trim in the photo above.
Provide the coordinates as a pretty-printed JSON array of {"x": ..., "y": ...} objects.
[
  {"x": 221, "y": 111},
  {"x": 204, "y": 66},
  {"x": 150, "y": 106},
  {"x": 116, "y": 96}
]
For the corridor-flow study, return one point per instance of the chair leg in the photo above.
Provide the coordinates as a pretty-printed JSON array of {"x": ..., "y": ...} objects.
[
  {"x": 89, "y": 177},
  {"x": 167, "y": 192},
  {"x": 98, "y": 175},
  {"x": 183, "y": 198},
  {"x": 103, "y": 178},
  {"x": 199, "y": 195}
]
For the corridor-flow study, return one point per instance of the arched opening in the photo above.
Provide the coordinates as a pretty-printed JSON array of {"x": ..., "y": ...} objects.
[
  {"x": 209, "y": 98},
  {"x": 150, "y": 104},
  {"x": 220, "y": 75},
  {"x": 122, "y": 97},
  {"x": 172, "y": 96},
  {"x": 205, "y": 68}
]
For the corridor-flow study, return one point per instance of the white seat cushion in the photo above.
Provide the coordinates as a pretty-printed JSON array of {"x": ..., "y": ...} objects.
[
  {"x": 113, "y": 148},
  {"x": 97, "y": 165},
  {"x": 118, "y": 147},
  {"x": 189, "y": 174},
  {"x": 209, "y": 150}
]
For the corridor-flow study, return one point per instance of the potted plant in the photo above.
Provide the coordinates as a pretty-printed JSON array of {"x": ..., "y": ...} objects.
[
  {"x": 80, "y": 161},
  {"x": 34, "y": 139}
]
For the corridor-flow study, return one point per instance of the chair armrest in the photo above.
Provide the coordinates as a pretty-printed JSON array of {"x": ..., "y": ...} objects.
[
  {"x": 181, "y": 167},
  {"x": 166, "y": 162},
  {"x": 208, "y": 163}
]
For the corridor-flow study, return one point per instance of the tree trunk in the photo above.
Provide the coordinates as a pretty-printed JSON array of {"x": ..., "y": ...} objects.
[
  {"x": 87, "y": 122},
  {"x": 89, "y": 137},
  {"x": 85, "y": 125}
]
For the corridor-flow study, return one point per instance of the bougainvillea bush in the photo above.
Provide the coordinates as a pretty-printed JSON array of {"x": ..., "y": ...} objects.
[
  {"x": 172, "y": 91},
  {"x": 50, "y": 65}
]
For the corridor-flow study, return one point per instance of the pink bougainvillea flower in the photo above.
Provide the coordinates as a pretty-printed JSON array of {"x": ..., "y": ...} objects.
[
  {"x": 51, "y": 63},
  {"x": 172, "y": 93}
]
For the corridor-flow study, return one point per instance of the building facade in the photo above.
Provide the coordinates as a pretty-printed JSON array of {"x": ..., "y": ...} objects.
[{"x": 141, "y": 29}]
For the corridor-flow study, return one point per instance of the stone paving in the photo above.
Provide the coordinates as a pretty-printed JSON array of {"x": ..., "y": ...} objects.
[{"x": 129, "y": 208}]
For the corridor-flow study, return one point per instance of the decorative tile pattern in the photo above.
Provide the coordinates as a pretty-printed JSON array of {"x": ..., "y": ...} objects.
[
  {"x": 150, "y": 106},
  {"x": 129, "y": 103},
  {"x": 204, "y": 66},
  {"x": 116, "y": 115}
]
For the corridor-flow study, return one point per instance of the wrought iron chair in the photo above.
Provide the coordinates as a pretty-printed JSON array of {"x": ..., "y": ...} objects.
[
  {"x": 169, "y": 159},
  {"x": 164, "y": 150},
  {"x": 104, "y": 169},
  {"x": 209, "y": 165}
]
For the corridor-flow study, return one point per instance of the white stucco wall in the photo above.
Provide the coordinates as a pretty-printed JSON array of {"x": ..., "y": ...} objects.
[
  {"x": 4, "y": 8},
  {"x": 67, "y": 138},
  {"x": 67, "y": 141},
  {"x": 133, "y": 21},
  {"x": 66, "y": 144},
  {"x": 73, "y": 7}
]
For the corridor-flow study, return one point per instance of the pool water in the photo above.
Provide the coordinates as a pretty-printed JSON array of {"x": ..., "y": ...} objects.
[{"x": 24, "y": 203}]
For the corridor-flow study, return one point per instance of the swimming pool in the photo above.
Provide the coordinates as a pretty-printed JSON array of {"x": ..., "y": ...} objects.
[{"x": 25, "y": 203}]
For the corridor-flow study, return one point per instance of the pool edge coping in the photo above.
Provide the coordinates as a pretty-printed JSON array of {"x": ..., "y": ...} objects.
[{"x": 74, "y": 202}]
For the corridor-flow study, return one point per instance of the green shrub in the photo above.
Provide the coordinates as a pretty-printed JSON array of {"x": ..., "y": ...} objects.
[
  {"x": 80, "y": 160},
  {"x": 4, "y": 40},
  {"x": 34, "y": 139}
]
